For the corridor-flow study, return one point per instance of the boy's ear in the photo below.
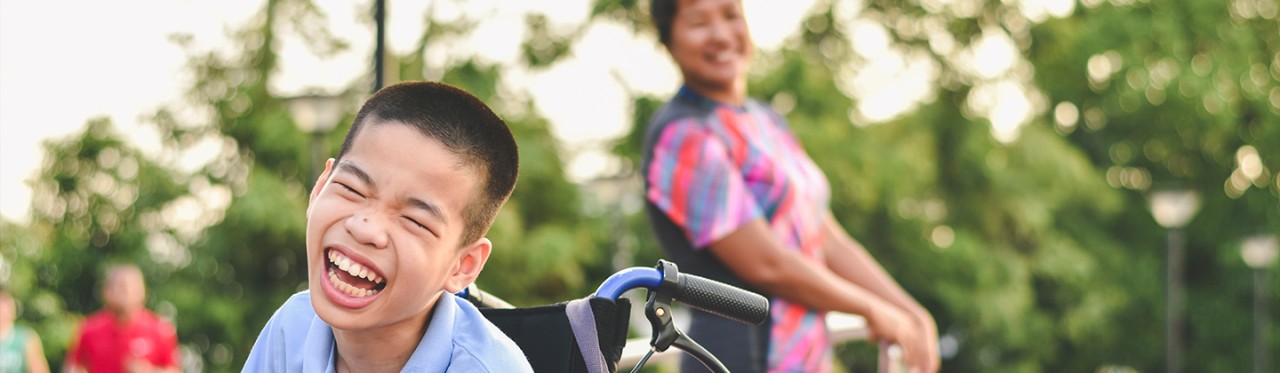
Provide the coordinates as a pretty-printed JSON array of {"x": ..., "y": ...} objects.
[
  {"x": 324, "y": 176},
  {"x": 471, "y": 260}
]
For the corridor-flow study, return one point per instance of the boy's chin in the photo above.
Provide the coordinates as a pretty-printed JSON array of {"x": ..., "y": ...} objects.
[{"x": 336, "y": 316}]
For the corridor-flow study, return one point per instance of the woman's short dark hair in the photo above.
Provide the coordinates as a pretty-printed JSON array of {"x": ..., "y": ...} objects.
[{"x": 663, "y": 13}]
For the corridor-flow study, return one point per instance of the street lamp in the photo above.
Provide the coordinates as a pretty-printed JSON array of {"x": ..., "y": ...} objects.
[
  {"x": 316, "y": 114},
  {"x": 1173, "y": 209},
  {"x": 1260, "y": 253}
]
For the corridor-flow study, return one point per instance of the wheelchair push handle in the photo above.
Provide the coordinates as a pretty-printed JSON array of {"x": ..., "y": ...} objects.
[
  {"x": 699, "y": 292},
  {"x": 720, "y": 299}
]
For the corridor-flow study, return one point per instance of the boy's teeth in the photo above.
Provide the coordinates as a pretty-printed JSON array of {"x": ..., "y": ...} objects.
[
  {"x": 348, "y": 288},
  {"x": 356, "y": 270},
  {"x": 353, "y": 269}
]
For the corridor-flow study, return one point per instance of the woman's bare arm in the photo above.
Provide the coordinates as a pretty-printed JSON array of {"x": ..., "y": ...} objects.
[
  {"x": 850, "y": 260},
  {"x": 754, "y": 254}
]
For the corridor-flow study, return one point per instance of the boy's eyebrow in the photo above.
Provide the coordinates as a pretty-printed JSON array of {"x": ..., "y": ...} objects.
[
  {"x": 430, "y": 208},
  {"x": 355, "y": 170}
]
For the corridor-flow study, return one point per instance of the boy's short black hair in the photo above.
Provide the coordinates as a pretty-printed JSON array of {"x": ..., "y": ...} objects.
[
  {"x": 663, "y": 13},
  {"x": 465, "y": 126}
]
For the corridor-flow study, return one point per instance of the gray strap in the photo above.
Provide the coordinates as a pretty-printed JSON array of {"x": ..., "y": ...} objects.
[{"x": 583, "y": 323}]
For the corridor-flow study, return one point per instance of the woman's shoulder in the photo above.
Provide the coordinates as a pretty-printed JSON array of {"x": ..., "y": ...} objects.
[
  {"x": 19, "y": 333},
  {"x": 676, "y": 119},
  {"x": 678, "y": 110}
]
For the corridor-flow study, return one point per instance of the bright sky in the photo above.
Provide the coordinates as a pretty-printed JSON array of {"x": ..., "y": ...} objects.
[{"x": 63, "y": 62}]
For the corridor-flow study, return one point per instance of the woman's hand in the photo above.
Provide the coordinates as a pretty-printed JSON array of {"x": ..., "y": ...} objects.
[
  {"x": 929, "y": 329},
  {"x": 918, "y": 341}
]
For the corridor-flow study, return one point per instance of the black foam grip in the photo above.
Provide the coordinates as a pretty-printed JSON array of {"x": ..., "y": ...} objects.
[{"x": 720, "y": 299}]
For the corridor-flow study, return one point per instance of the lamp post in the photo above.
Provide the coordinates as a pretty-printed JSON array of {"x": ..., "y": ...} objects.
[
  {"x": 1173, "y": 209},
  {"x": 316, "y": 114},
  {"x": 380, "y": 26},
  {"x": 1260, "y": 253}
]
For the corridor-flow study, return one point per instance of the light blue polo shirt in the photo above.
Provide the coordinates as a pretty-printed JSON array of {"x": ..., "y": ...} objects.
[{"x": 459, "y": 339}]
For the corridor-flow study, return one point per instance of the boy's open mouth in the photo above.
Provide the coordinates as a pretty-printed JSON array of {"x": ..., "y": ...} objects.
[{"x": 351, "y": 278}]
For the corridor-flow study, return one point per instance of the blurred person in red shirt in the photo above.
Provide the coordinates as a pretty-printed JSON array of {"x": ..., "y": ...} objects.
[{"x": 124, "y": 336}]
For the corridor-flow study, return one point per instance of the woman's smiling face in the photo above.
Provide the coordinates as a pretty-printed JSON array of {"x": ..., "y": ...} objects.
[{"x": 711, "y": 44}]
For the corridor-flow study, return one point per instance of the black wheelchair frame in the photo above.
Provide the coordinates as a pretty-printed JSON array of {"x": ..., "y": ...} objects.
[{"x": 587, "y": 335}]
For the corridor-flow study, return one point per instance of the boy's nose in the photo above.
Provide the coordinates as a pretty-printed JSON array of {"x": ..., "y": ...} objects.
[{"x": 366, "y": 230}]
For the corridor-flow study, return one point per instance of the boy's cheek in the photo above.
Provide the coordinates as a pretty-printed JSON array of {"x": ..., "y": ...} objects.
[
  {"x": 312, "y": 203},
  {"x": 317, "y": 207}
]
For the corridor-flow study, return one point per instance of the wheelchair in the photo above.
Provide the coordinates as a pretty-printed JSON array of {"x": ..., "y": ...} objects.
[{"x": 588, "y": 334}]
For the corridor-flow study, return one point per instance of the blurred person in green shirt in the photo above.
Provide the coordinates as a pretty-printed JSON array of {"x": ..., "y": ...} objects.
[{"x": 20, "y": 349}]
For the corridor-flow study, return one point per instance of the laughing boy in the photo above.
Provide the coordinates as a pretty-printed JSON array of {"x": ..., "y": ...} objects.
[{"x": 395, "y": 227}]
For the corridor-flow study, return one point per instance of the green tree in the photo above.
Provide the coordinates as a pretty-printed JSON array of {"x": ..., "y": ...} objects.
[
  {"x": 1184, "y": 95},
  {"x": 1033, "y": 247},
  {"x": 1038, "y": 252},
  {"x": 222, "y": 244},
  {"x": 97, "y": 200}
]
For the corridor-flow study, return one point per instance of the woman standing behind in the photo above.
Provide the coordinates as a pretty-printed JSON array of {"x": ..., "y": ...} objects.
[
  {"x": 20, "y": 349},
  {"x": 732, "y": 196}
]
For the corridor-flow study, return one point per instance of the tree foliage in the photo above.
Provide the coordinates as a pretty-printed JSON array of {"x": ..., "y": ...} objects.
[
  {"x": 222, "y": 245},
  {"x": 1039, "y": 254},
  {"x": 1035, "y": 251}
]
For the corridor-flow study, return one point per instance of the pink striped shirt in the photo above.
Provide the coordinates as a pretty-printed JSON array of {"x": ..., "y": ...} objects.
[{"x": 711, "y": 174}]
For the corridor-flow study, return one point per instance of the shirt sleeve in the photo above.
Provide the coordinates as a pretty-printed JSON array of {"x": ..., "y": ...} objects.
[{"x": 693, "y": 179}]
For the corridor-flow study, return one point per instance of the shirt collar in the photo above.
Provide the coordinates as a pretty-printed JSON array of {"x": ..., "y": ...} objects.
[
  {"x": 688, "y": 95},
  {"x": 435, "y": 351},
  {"x": 319, "y": 348}
]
